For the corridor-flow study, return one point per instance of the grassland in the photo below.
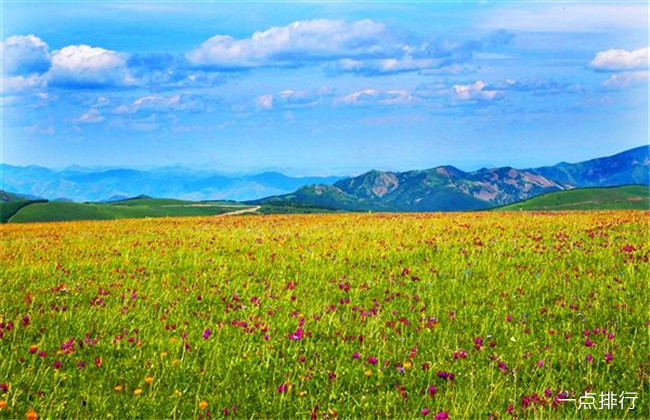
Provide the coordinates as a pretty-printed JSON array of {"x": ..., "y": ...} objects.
[
  {"x": 131, "y": 208},
  {"x": 351, "y": 315},
  {"x": 629, "y": 197}
]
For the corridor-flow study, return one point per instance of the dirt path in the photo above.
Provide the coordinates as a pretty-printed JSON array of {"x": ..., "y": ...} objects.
[{"x": 242, "y": 211}]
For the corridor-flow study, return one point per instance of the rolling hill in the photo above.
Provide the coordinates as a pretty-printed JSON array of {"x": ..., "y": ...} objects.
[{"x": 628, "y": 197}]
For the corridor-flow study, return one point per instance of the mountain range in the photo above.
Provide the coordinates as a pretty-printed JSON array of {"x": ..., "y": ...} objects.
[
  {"x": 446, "y": 188},
  {"x": 82, "y": 184},
  {"x": 443, "y": 188}
]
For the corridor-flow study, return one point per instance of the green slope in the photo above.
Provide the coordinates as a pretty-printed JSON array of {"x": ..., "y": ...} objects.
[
  {"x": 11, "y": 203},
  {"x": 149, "y": 207},
  {"x": 629, "y": 197}
]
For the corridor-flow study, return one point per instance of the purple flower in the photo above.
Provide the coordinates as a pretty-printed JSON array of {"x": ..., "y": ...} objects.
[
  {"x": 81, "y": 364},
  {"x": 424, "y": 411},
  {"x": 432, "y": 390},
  {"x": 478, "y": 343},
  {"x": 356, "y": 355},
  {"x": 445, "y": 375},
  {"x": 372, "y": 360},
  {"x": 443, "y": 415},
  {"x": 4, "y": 387},
  {"x": 589, "y": 358},
  {"x": 57, "y": 365},
  {"x": 540, "y": 363},
  {"x": 589, "y": 343},
  {"x": 609, "y": 357},
  {"x": 282, "y": 388},
  {"x": 206, "y": 333},
  {"x": 26, "y": 320},
  {"x": 509, "y": 318},
  {"x": 296, "y": 335},
  {"x": 331, "y": 376}
]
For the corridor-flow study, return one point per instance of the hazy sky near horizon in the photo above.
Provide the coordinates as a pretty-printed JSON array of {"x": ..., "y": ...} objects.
[{"x": 322, "y": 87}]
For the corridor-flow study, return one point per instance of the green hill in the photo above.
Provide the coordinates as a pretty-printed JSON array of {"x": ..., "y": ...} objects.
[
  {"x": 132, "y": 208},
  {"x": 629, "y": 197},
  {"x": 11, "y": 203}
]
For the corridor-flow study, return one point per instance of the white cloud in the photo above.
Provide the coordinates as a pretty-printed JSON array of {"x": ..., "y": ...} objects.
[
  {"x": 478, "y": 90},
  {"x": 264, "y": 101},
  {"x": 92, "y": 116},
  {"x": 24, "y": 55},
  {"x": 617, "y": 60},
  {"x": 319, "y": 39},
  {"x": 371, "y": 96},
  {"x": 627, "y": 79},
  {"x": 85, "y": 66},
  {"x": 21, "y": 84}
]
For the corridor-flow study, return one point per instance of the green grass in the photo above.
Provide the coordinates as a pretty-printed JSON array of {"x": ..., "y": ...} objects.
[
  {"x": 136, "y": 208},
  {"x": 121, "y": 310},
  {"x": 629, "y": 197}
]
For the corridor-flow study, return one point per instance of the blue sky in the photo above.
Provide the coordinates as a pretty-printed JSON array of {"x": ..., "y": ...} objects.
[{"x": 322, "y": 87}]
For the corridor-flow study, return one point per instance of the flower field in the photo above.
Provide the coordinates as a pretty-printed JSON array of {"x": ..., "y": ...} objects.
[{"x": 465, "y": 315}]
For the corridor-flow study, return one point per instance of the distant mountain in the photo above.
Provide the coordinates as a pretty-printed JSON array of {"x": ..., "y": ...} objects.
[
  {"x": 84, "y": 184},
  {"x": 629, "y": 167},
  {"x": 447, "y": 188}
]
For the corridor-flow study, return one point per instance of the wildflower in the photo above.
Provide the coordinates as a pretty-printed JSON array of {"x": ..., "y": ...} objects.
[
  {"x": 460, "y": 354},
  {"x": 81, "y": 364},
  {"x": 509, "y": 318},
  {"x": 148, "y": 380},
  {"x": 510, "y": 409},
  {"x": 203, "y": 405},
  {"x": 206, "y": 333},
  {"x": 98, "y": 361},
  {"x": 137, "y": 391},
  {"x": 118, "y": 388},
  {"x": 4, "y": 387},
  {"x": 3, "y": 404},
  {"x": 31, "y": 414},
  {"x": 57, "y": 365},
  {"x": 426, "y": 366},
  {"x": 443, "y": 415},
  {"x": 26, "y": 320},
  {"x": 372, "y": 360},
  {"x": 356, "y": 355},
  {"x": 540, "y": 363},
  {"x": 408, "y": 365},
  {"x": 432, "y": 390},
  {"x": 368, "y": 373},
  {"x": 331, "y": 376},
  {"x": 302, "y": 393},
  {"x": 589, "y": 343},
  {"x": 282, "y": 388},
  {"x": 425, "y": 411},
  {"x": 609, "y": 357},
  {"x": 589, "y": 358},
  {"x": 445, "y": 375},
  {"x": 33, "y": 348},
  {"x": 478, "y": 343}
]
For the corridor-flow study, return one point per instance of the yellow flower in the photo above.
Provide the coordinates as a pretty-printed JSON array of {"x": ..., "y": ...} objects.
[
  {"x": 177, "y": 393},
  {"x": 148, "y": 380},
  {"x": 3, "y": 404},
  {"x": 302, "y": 393},
  {"x": 175, "y": 361},
  {"x": 138, "y": 391},
  {"x": 31, "y": 414},
  {"x": 407, "y": 365},
  {"x": 118, "y": 388},
  {"x": 163, "y": 354},
  {"x": 173, "y": 340},
  {"x": 203, "y": 405},
  {"x": 368, "y": 373}
]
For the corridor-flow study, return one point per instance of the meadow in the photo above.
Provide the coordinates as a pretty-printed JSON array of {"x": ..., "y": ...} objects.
[{"x": 456, "y": 315}]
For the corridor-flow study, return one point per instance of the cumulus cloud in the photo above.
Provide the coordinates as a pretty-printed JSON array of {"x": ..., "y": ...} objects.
[
  {"x": 83, "y": 66},
  {"x": 620, "y": 60},
  {"x": 24, "y": 55},
  {"x": 372, "y": 96},
  {"x": 627, "y": 79},
  {"x": 161, "y": 103},
  {"x": 92, "y": 116},
  {"x": 291, "y": 45},
  {"x": 477, "y": 91}
]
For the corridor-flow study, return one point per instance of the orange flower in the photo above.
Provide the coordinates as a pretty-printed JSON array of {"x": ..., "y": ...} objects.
[
  {"x": 138, "y": 391},
  {"x": 203, "y": 405},
  {"x": 407, "y": 365},
  {"x": 119, "y": 388},
  {"x": 148, "y": 380},
  {"x": 368, "y": 373},
  {"x": 31, "y": 414},
  {"x": 3, "y": 404}
]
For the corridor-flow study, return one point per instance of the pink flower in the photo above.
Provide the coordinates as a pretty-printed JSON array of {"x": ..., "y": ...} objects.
[
  {"x": 425, "y": 411},
  {"x": 589, "y": 343},
  {"x": 372, "y": 360},
  {"x": 331, "y": 376},
  {"x": 282, "y": 388},
  {"x": 589, "y": 358},
  {"x": 206, "y": 333},
  {"x": 432, "y": 390},
  {"x": 443, "y": 415},
  {"x": 540, "y": 363},
  {"x": 509, "y": 318},
  {"x": 356, "y": 355},
  {"x": 57, "y": 365},
  {"x": 609, "y": 357}
]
